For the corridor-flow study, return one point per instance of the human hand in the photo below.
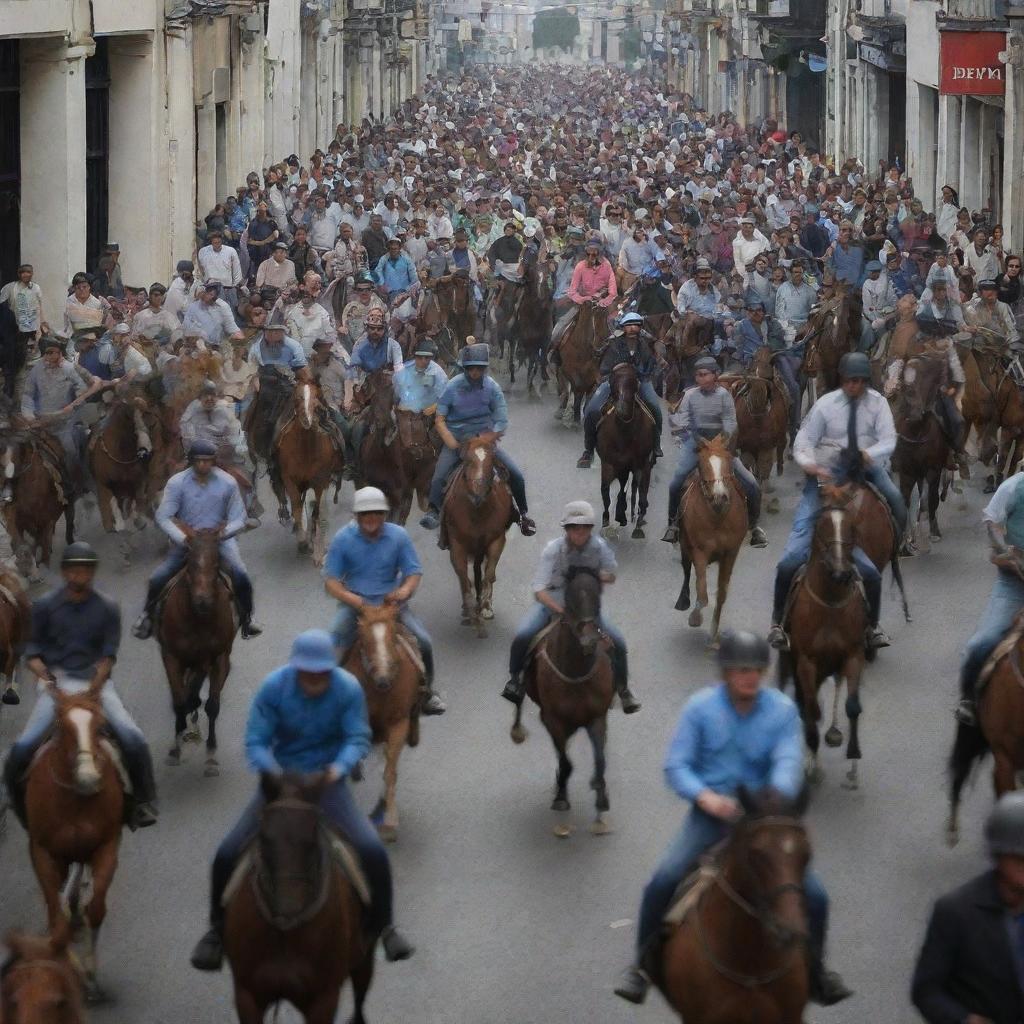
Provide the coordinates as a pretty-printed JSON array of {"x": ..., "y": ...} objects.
[
  {"x": 718, "y": 806},
  {"x": 865, "y": 457}
]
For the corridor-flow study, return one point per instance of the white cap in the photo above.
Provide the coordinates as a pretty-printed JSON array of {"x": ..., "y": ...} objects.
[
  {"x": 529, "y": 231},
  {"x": 578, "y": 513},
  {"x": 121, "y": 329},
  {"x": 370, "y": 499}
]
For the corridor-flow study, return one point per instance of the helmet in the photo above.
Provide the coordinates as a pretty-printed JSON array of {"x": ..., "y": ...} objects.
[
  {"x": 79, "y": 553},
  {"x": 630, "y": 318},
  {"x": 1004, "y": 830},
  {"x": 578, "y": 513},
  {"x": 313, "y": 651},
  {"x": 476, "y": 355},
  {"x": 201, "y": 449},
  {"x": 855, "y": 364},
  {"x": 742, "y": 649},
  {"x": 425, "y": 348},
  {"x": 707, "y": 363},
  {"x": 208, "y": 387},
  {"x": 369, "y": 499}
]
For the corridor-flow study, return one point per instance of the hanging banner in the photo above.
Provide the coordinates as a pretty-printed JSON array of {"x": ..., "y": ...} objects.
[{"x": 969, "y": 64}]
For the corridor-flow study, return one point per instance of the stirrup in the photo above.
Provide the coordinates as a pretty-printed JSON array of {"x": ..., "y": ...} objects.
[
  {"x": 777, "y": 638},
  {"x": 671, "y": 534},
  {"x": 965, "y": 713}
]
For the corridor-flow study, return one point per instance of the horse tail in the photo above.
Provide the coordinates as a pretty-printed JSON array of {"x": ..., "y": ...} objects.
[
  {"x": 969, "y": 746},
  {"x": 897, "y": 575}
]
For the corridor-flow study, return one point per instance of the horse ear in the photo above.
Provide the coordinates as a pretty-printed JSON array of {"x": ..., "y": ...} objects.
[{"x": 270, "y": 786}]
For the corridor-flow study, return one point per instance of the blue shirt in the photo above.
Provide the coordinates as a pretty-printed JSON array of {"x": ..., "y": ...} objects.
[
  {"x": 207, "y": 506},
  {"x": 395, "y": 275},
  {"x": 1006, "y": 508},
  {"x": 289, "y": 353},
  {"x": 371, "y": 568},
  {"x": 418, "y": 391},
  {"x": 716, "y": 748},
  {"x": 74, "y": 635},
  {"x": 472, "y": 408},
  {"x": 848, "y": 264},
  {"x": 288, "y": 731},
  {"x": 370, "y": 356}
]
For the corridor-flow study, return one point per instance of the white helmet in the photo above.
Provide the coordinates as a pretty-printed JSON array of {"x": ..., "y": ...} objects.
[
  {"x": 579, "y": 513},
  {"x": 370, "y": 499}
]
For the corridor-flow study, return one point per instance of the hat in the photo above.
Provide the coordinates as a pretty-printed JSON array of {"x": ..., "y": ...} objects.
[
  {"x": 702, "y": 264},
  {"x": 79, "y": 553},
  {"x": 746, "y": 220},
  {"x": 51, "y": 341},
  {"x": 475, "y": 353},
  {"x": 707, "y": 363},
  {"x": 630, "y": 318},
  {"x": 369, "y": 499},
  {"x": 323, "y": 339},
  {"x": 375, "y": 316},
  {"x": 755, "y": 304},
  {"x": 425, "y": 348},
  {"x": 873, "y": 267},
  {"x": 987, "y": 285},
  {"x": 111, "y": 247},
  {"x": 202, "y": 449},
  {"x": 893, "y": 255},
  {"x": 208, "y": 387},
  {"x": 193, "y": 332},
  {"x": 578, "y": 513},
  {"x": 281, "y": 245},
  {"x": 313, "y": 651},
  {"x": 121, "y": 329},
  {"x": 211, "y": 286},
  {"x": 529, "y": 231}
]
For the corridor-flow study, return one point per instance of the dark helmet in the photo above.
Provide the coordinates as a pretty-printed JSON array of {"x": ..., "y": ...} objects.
[
  {"x": 707, "y": 363},
  {"x": 425, "y": 348},
  {"x": 1004, "y": 830},
  {"x": 202, "y": 449},
  {"x": 79, "y": 553},
  {"x": 742, "y": 649},
  {"x": 855, "y": 364}
]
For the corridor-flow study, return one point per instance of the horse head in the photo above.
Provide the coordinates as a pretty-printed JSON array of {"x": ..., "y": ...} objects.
[
  {"x": 78, "y": 719},
  {"x": 922, "y": 378},
  {"x": 583, "y": 607},
  {"x": 201, "y": 566},
  {"x": 761, "y": 364},
  {"x": 478, "y": 469},
  {"x": 38, "y": 983},
  {"x": 714, "y": 464},
  {"x": 623, "y": 387},
  {"x": 834, "y": 533},
  {"x": 306, "y": 400},
  {"x": 378, "y": 626},
  {"x": 381, "y": 398},
  {"x": 461, "y": 293}
]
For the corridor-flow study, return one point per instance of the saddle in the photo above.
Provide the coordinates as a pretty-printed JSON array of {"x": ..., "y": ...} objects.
[
  {"x": 609, "y": 409},
  {"x": 794, "y": 589},
  {"x": 500, "y": 473},
  {"x": 50, "y": 452},
  {"x": 172, "y": 584},
  {"x": 1004, "y": 648}
]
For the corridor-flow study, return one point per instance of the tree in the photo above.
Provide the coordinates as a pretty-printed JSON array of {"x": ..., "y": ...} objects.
[{"x": 555, "y": 28}]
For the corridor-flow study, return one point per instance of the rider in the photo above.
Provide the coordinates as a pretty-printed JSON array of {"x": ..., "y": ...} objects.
[
  {"x": 850, "y": 421},
  {"x": 627, "y": 345},
  {"x": 473, "y": 406},
  {"x": 578, "y": 547},
  {"x": 76, "y": 632},
  {"x": 375, "y": 350},
  {"x": 735, "y": 733},
  {"x": 275, "y": 348},
  {"x": 373, "y": 562},
  {"x": 420, "y": 384},
  {"x": 201, "y": 497},
  {"x": 708, "y": 410},
  {"x": 334, "y": 737},
  {"x": 593, "y": 280}
]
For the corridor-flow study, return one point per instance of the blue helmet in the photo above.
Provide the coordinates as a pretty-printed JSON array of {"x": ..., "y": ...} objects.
[
  {"x": 202, "y": 449},
  {"x": 313, "y": 651},
  {"x": 630, "y": 318}
]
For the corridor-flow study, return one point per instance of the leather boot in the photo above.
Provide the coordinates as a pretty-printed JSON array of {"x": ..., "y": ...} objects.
[
  {"x": 515, "y": 689},
  {"x": 208, "y": 954},
  {"x": 633, "y": 985}
]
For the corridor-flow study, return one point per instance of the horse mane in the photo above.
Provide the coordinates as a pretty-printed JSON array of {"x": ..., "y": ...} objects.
[
  {"x": 770, "y": 803},
  {"x": 581, "y": 570}
]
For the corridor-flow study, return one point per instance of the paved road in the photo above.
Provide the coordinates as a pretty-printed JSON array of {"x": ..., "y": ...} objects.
[{"x": 513, "y": 925}]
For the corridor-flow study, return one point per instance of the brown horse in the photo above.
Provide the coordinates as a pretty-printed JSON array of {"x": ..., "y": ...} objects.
[
  {"x": 1010, "y": 421},
  {"x": 685, "y": 342},
  {"x": 196, "y": 632},
  {"x": 15, "y": 628},
  {"x": 625, "y": 444},
  {"x": 500, "y": 318},
  {"x": 74, "y": 805},
  {"x": 833, "y": 329},
  {"x": 307, "y": 461},
  {"x": 533, "y": 327},
  {"x": 419, "y": 446},
  {"x": 380, "y": 461},
  {"x": 456, "y": 299},
  {"x": 827, "y": 617},
  {"x": 982, "y": 372},
  {"x": 293, "y": 928},
  {"x": 583, "y": 341},
  {"x": 570, "y": 680},
  {"x": 737, "y": 957},
  {"x": 389, "y": 671},
  {"x": 712, "y": 524},
  {"x": 475, "y": 517},
  {"x": 38, "y": 982}
]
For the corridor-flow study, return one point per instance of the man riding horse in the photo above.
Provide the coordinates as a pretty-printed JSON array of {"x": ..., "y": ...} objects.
[
  {"x": 708, "y": 410},
  {"x": 848, "y": 429},
  {"x": 473, "y": 405},
  {"x": 627, "y": 345},
  {"x": 375, "y": 350},
  {"x": 733, "y": 734},
  {"x": 420, "y": 384},
  {"x": 593, "y": 280},
  {"x": 373, "y": 562},
  {"x": 577, "y": 548},
  {"x": 201, "y": 497},
  {"x": 76, "y": 633},
  {"x": 308, "y": 716}
]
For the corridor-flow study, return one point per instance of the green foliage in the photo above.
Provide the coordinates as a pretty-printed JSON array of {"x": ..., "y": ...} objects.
[
  {"x": 555, "y": 28},
  {"x": 629, "y": 44}
]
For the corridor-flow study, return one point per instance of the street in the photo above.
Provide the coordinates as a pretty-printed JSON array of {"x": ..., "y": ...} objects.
[{"x": 513, "y": 925}]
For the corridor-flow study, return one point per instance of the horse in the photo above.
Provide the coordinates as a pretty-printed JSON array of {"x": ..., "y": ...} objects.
[
  {"x": 828, "y": 615},
  {"x": 15, "y": 629},
  {"x": 569, "y": 677},
  {"x": 533, "y": 328},
  {"x": 712, "y": 521},
  {"x": 833, "y": 329},
  {"x": 293, "y": 927},
  {"x": 196, "y": 631},
  {"x": 388, "y": 667},
  {"x": 419, "y": 446},
  {"x": 583, "y": 340},
  {"x": 685, "y": 342},
  {"x": 1010, "y": 421},
  {"x": 500, "y": 317},
  {"x": 475, "y": 517},
  {"x": 276, "y": 385},
  {"x": 38, "y": 982},
  {"x": 74, "y": 805},
  {"x": 380, "y": 457},
  {"x": 456, "y": 301},
  {"x": 737, "y": 957},
  {"x": 982, "y": 372},
  {"x": 625, "y": 444},
  {"x": 307, "y": 459}
]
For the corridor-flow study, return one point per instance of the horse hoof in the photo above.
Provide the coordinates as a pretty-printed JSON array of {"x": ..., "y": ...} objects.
[
  {"x": 696, "y": 618},
  {"x": 211, "y": 770},
  {"x": 772, "y": 506},
  {"x": 518, "y": 734},
  {"x": 600, "y": 827},
  {"x": 487, "y": 612},
  {"x": 94, "y": 994},
  {"x": 172, "y": 760},
  {"x": 610, "y": 533},
  {"x": 935, "y": 538},
  {"x": 467, "y": 621},
  {"x": 388, "y": 833},
  {"x": 814, "y": 775},
  {"x": 559, "y": 804},
  {"x": 562, "y": 831},
  {"x": 304, "y": 547},
  {"x": 638, "y": 534},
  {"x": 481, "y": 631},
  {"x": 952, "y": 836},
  {"x": 834, "y": 737}
]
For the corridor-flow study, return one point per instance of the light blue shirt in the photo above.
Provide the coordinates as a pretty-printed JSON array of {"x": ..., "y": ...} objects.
[
  {"x": 418, "y": 391},
  {"x": 793, "y": 304},
  {"x": 397, "y": 275},
  {"x": 370, "y": 356},
  {"x": 691, "y": 298},
  {"x": 207, "y": 506},
  {"x": 216, "y": 321},
  {"x": 371, "y": 568},
  {"x": 289, "y": 353},
  {"x": 1006, "y": 508},
  {"x": 824, "y": 432},
  {"x": 717, "y": 748},
  {"x": 471, "y": 408}
]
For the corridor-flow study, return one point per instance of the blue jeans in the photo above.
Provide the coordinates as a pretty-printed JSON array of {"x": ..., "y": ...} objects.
[
  {"x": 700, "y": 832},
  {"x": 341, "y": 811},
  {"x": 688, "y": 463},
  {"x": 538, "y": 617},
  {"x": 449, "y": 459},
  {"x": 1005, "y": 601},
  {"x": 599, "y": 399},
  {"x": 346, "y": 623},
  {"x": 230, "y": 559},
  {"x": 788, "y": 364}
]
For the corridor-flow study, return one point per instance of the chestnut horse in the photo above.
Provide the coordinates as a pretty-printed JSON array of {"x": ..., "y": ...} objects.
[
  {"x": 475, "y": 517},
  {"x": 533, "y": 327},
  {"x": 38, "y": 982},
  {"x": 712, "y": 524},
  {"x": 982, "y": 371},
  {"x": 15, "y": 628},
  {"x": 74, "y": 805},
  {"x": 827, "y": 617},
  {"x": 738, "y": 956},
  {"x": 293, "y": 927},
  {"x": 569, "y": 677},
  {"x": 196, "y": 631},
  {"x": 380, "y": 463},
  {"x": 419, "y": 446},
  {"x": 685, "y": 342},
  {"x": 833, "y": 329},
  {"x": 583, "y": 341},
  {"x": 390, "y": 676}
]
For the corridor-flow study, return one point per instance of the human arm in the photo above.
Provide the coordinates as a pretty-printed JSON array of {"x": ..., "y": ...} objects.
[
  {"x": 682, "y": 771},
  {"x": 885, "y": 432},
  {"x": 729, "y": 422},
  {"x": 807, "y": 439},
  {"x": 264, "y": 716},
  {"x": 335, "y": 570},
  {"x": 410, "y": 570},
  {"x": 37, "y": 640},
  {"x": 167, "y": 511},
  {"x": 499, "y": 411},
  {"x": 355, "y": 725},
  {"x": 235, "y": 512},
  {"x": 610, "y": 285},
  {"x": 574, "y": 285},
  {"x": 786, "y": 773},
  {"x": 936, "y": 962},
  {"x": 446, "y": 435}
]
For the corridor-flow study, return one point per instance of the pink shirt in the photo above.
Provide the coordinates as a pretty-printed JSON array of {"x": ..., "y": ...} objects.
[{"x": 588, "y": 281}]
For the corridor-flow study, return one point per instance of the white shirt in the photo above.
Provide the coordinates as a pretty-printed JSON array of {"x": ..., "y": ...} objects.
[
  {"x": 878, "y": 296},
  {"x": 223, "y": 266},
  {"x": 179, "y": 295},
  {"x": 306, "y": 325},
  {"x": 824, "y": 433},
  {"x": 745, "y": 251}
]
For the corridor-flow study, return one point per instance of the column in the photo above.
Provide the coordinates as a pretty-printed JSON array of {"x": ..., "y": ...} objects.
[
  {"x": 181, "y": 149},
  {"x": 970, "y": 172},
  {"x": 251, "y": 98},
  {"x": 307, "y": 90},
  {"x": 1013, "y": 146},
  {"x": 991, "y": 196},
  {"x": 206, "y": 157},
  {"x": 948, "y": 152}
]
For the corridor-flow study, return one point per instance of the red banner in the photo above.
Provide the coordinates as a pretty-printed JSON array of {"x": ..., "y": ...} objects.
[{"x": 969, "y": 64}]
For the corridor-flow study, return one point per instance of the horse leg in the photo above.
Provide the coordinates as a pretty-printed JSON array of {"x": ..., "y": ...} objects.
[
  {"x": 934, "y": 533},
  {"x": 104, "y": 864},
  {"x": 606, "y": 500},
  {"x": 1004, "y": 775},
  {"x": 851, "y": 671},
  {"x": 763, "y": 471},
  {"x": 362, "y": 976},
  {"x": 217, "y": 676},
  {"x": 51, "y": 875},
  {"x": 683, "y": 601},
  {"x": 296, "y": 496},
  {"x": 598, "y": 733},
  {"x": 700, "y": 564},
  {"x": 397, "y": 735},
  {"x": 725, "y": 567},
  {"x": 322, "y": 1009},
  {"x": 620, "y": 502},
  {"x": 249, "y": 1010},
  {"x": 642, "y": 483},
  {"x": 807, "y": 682},
  {"x": 105, "y": 500},
  {"x": 176, "y": 681},
  {"x": 490, "y": 574},
  {"x": 460, "y": 563},
  {"x": 560, "y": 739},
  {"x": 317, "y": 540}
]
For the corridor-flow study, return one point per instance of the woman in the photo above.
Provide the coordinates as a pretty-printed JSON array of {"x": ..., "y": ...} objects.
[
  {"x": 961, "y": 237},
  {"x": 995, "y": 242},
  {"x": 947, "y": 215}
]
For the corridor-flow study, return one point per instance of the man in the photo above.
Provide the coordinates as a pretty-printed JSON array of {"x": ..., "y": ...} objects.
[
  {"x": 219, "y": 262},
  {"x": 936, "y": 304},
  {"x": 849, "y": 425},
  {"x": 353, "y": 316},
  {"x": 708, "y": 410},
  {"x": 25, "y": 300},
  {"x": 373, "y": 562},
  {"x": 184, "y": 289},
  {"x": 746, "y": 246},
  {"x": 347, "y": 257},
  {"x": 305, "y": 258},
  {"x": 968, "y": 970},
  {"x": 275, "y": 348},
  {"x": 879, "y": 300},
  {"x": 503, "y": 255},
  {"x": 201, "y": 497},
  {"x": 636, "y": 254},
  {"x": 262, "y": 233},
  {"x": 334, "y": 738},
  {"x": 375, "y": 350},
  {"x": 210, "y": 419},
  {"x": 76, "y": 633},
  {"x": 980, "y": 258},
  {"x": 212, "y": 315},
  {"x": 156, "y": 322},
  {"x": 330, "y": 370},
  {"x": 375, "y": 240},
  {"x": 323, "y": 225},
  {"x": 421, "y": 383},
  {"x": 846, "y": 257},
  {"x": 986, "y": 311},
  {"x": 109, "y": 282},
  {"x": 577, "y": 548},
  {"x": 698, "y": 295},
  {"x": 793, "y": 303},
  {"x": 395, "y": 273},
  {"x": 308, "y": 320},
  {"x": 278, "y": 271},
  {"x": 83, "y": 308},
  {"x": 593, "y": 279},
  {"x": 473, "y": 406},
  {"x": 732, "y": 734}
]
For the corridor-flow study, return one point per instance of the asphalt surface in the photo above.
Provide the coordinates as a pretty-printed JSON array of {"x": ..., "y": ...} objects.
[{"x": 512, "y": 925}]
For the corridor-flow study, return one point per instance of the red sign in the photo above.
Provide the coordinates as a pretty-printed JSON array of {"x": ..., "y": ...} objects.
[{"x": 969, "y": 64}]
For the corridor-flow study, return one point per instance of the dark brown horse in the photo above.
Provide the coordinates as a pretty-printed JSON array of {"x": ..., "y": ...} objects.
[
  {"x": 15, "y": 628},
  {"x": 738, "y": 956},
  {"x": 500, "y": 317},
  {"x": 583, "y": 341},
  {"x": 456, "y": 299},
  {"x": 570, "y": 679},
  {"x": 625, "y": 444},
  {"x": 39, "y": 983},
  {"x": 685, "y": 342},
  {"x": 74, "y": 805},
  {"x": 982, "y": 373},
  {"x": 833, "y": 329},
  {"x": 196, "y": 632},
  {"x": 387, "y": 665},
  {"x": 475, "y": 517},
  {"x": 712, "y": 524},
  {"x": 380, "y": 459},
  {"x": 533, "y": 326},
  {"x": 419, "y": 445},
  {"x": 1010, "y": 421},
  {"x": 293, "y": 928}
]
